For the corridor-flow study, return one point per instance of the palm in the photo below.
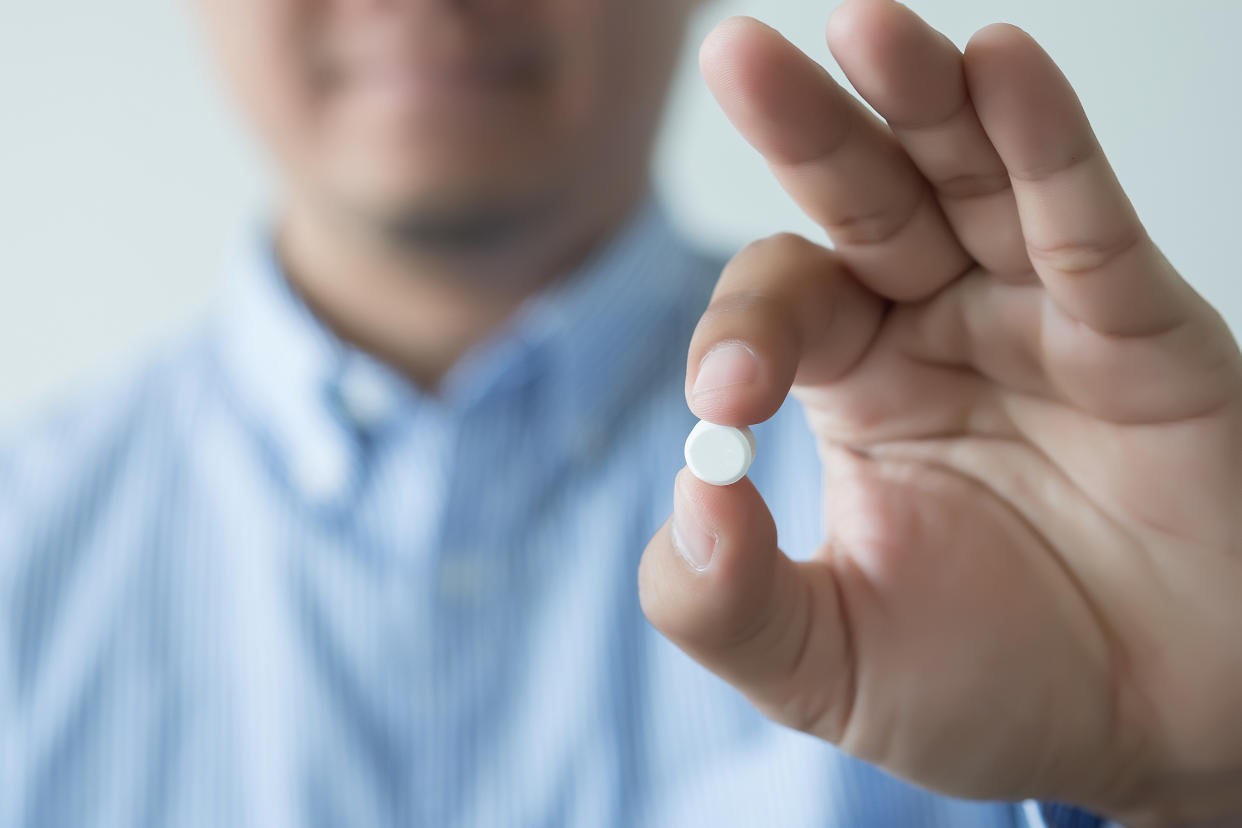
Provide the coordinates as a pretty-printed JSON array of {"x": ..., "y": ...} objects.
[
  {"x": 1030, "y": 427},
  {"x": 1003, "y": 539}
]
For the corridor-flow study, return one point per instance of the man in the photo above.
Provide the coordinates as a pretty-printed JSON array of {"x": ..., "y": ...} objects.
[{"x": 362, "y": 550}]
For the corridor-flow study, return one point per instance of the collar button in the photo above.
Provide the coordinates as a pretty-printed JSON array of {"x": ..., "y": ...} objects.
[
  {"x": 321, "y": 473},
  {"x": 366, "y": 398}
]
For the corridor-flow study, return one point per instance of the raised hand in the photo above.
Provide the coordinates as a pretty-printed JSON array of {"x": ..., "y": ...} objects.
[{"x": 1030, "y": 427}]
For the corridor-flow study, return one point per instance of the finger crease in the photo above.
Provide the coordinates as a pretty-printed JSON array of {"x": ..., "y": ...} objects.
[
  {"x": 1086, "y": 257},
  {"x": 874, "y": 228},
  {"x": 916, "y": 126},
  {"x": 972, "y": 185},
  {"x": 1075, "y": 159}
]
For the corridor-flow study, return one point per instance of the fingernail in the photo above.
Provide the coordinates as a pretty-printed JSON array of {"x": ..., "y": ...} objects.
[
  {"x": 694, "y": 541},
  {"x": 729, "y": 363}
]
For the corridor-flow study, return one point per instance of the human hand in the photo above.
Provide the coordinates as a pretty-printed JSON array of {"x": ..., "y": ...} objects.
[{"x": 1030, "y": 427}]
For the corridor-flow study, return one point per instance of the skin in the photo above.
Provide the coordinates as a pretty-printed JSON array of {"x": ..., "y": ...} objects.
[
  {"x": 1030, "y": 425},
  {"x": 438, "y": 162},
  {"x": 1030, "y": 428}
]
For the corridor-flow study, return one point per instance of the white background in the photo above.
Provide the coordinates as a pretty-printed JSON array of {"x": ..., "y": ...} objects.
[{"x": 124, "y": 176}]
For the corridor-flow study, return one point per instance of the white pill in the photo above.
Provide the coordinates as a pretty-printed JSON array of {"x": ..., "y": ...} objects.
[{"x": 719, "y": 454}]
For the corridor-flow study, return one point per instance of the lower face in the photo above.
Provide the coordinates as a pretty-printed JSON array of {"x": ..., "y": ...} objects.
[{"x": 441, "y": 112}]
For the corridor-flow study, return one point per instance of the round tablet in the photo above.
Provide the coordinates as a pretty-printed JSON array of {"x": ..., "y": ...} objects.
[{"x": 719, "y": 454}]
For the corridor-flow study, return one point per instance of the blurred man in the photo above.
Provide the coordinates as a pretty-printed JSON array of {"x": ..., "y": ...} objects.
[{"x": 363, "y": 549}]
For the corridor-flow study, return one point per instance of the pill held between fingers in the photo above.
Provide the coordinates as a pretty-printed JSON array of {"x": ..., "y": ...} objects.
[{"x": 719, "y": 454}]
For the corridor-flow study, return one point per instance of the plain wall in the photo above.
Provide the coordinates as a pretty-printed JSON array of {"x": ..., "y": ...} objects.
[{"x": 124, "y": 177}]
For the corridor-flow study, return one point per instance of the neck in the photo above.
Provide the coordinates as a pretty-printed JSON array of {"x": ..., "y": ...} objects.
[{"x": 419, "y": 306}]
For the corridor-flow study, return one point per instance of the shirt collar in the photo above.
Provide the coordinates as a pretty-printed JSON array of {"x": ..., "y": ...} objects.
[{"x": 591, "y": 337}]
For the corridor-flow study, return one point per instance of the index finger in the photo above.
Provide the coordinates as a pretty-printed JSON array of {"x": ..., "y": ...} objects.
[{"x": 784, "y": 311}]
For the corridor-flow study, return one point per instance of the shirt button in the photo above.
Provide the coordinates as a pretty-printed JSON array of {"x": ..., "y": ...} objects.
[
  {"x": 366, "y": 397},
  {"x": 322, "y": 473}
]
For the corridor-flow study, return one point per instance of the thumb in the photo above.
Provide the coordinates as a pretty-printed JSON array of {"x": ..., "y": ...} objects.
[{"x": 713, "y": 581}]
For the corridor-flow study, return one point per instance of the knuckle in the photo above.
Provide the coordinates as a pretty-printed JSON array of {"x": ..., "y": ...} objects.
[
  {"x": 873, "y": 227},
  {"x": 739, "y": 621},
  {"x": 785, "y": 266},
  {"x": 752, "y": 303},
  {"x": 808, "y": 711},
  {"x": 783, "y": 247},
  {"x": 1084, "y": 256},
  {"x": 973, "y": 185},
  {"x": 763, "y": 320}
]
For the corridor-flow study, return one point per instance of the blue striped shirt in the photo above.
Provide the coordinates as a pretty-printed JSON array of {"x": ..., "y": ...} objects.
[{"x": 260, "y": 580}]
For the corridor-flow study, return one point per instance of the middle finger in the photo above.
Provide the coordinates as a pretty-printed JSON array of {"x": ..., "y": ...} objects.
[
  {"x": 912, "y": 75},
  {"x": 839, "y": 162}
]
